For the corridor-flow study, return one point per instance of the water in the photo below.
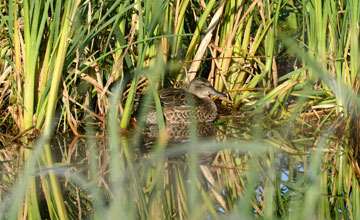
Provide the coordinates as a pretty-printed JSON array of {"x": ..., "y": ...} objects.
[{"x": 233, "y": 169}]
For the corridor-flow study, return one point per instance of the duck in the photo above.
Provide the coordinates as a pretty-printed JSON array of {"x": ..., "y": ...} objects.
[{"x": 186, "y": 105}]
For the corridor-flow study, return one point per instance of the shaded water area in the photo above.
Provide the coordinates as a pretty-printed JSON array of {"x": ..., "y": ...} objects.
[{"x": 235, "y": 168}]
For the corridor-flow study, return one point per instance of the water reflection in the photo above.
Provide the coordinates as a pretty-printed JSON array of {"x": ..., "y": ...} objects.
[
  {"x": 179, "y": 132},
  {"x": 226, "y": 173}
]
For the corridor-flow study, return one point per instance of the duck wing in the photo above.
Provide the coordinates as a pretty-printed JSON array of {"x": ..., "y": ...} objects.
[{"x": 177, "y": 97}]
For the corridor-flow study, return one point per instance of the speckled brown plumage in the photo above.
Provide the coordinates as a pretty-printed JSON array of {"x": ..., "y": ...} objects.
[{"x": 182, "y": 106}]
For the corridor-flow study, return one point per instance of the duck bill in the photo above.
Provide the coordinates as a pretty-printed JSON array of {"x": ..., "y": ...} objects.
[{"x": 217, "y": 93}]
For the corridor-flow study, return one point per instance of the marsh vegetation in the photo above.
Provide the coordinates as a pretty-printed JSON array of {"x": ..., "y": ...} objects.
[{"x": 285, "y": 144}]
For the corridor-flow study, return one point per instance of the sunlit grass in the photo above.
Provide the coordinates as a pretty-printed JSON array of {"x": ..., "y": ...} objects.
[{"x": 289, "y": 149}]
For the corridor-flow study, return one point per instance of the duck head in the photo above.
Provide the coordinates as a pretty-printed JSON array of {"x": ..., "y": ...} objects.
[{"x": 202, "y": 88}]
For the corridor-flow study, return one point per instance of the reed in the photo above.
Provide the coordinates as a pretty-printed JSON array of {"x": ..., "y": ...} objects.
[{"x": 76, "y": 67}]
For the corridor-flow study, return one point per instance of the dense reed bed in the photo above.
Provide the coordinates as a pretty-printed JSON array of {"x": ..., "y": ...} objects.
[{"x": 287, "y": 139}]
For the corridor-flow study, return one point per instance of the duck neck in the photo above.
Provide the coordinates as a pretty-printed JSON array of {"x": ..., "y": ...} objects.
[{"x": 209, "y": 104}]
